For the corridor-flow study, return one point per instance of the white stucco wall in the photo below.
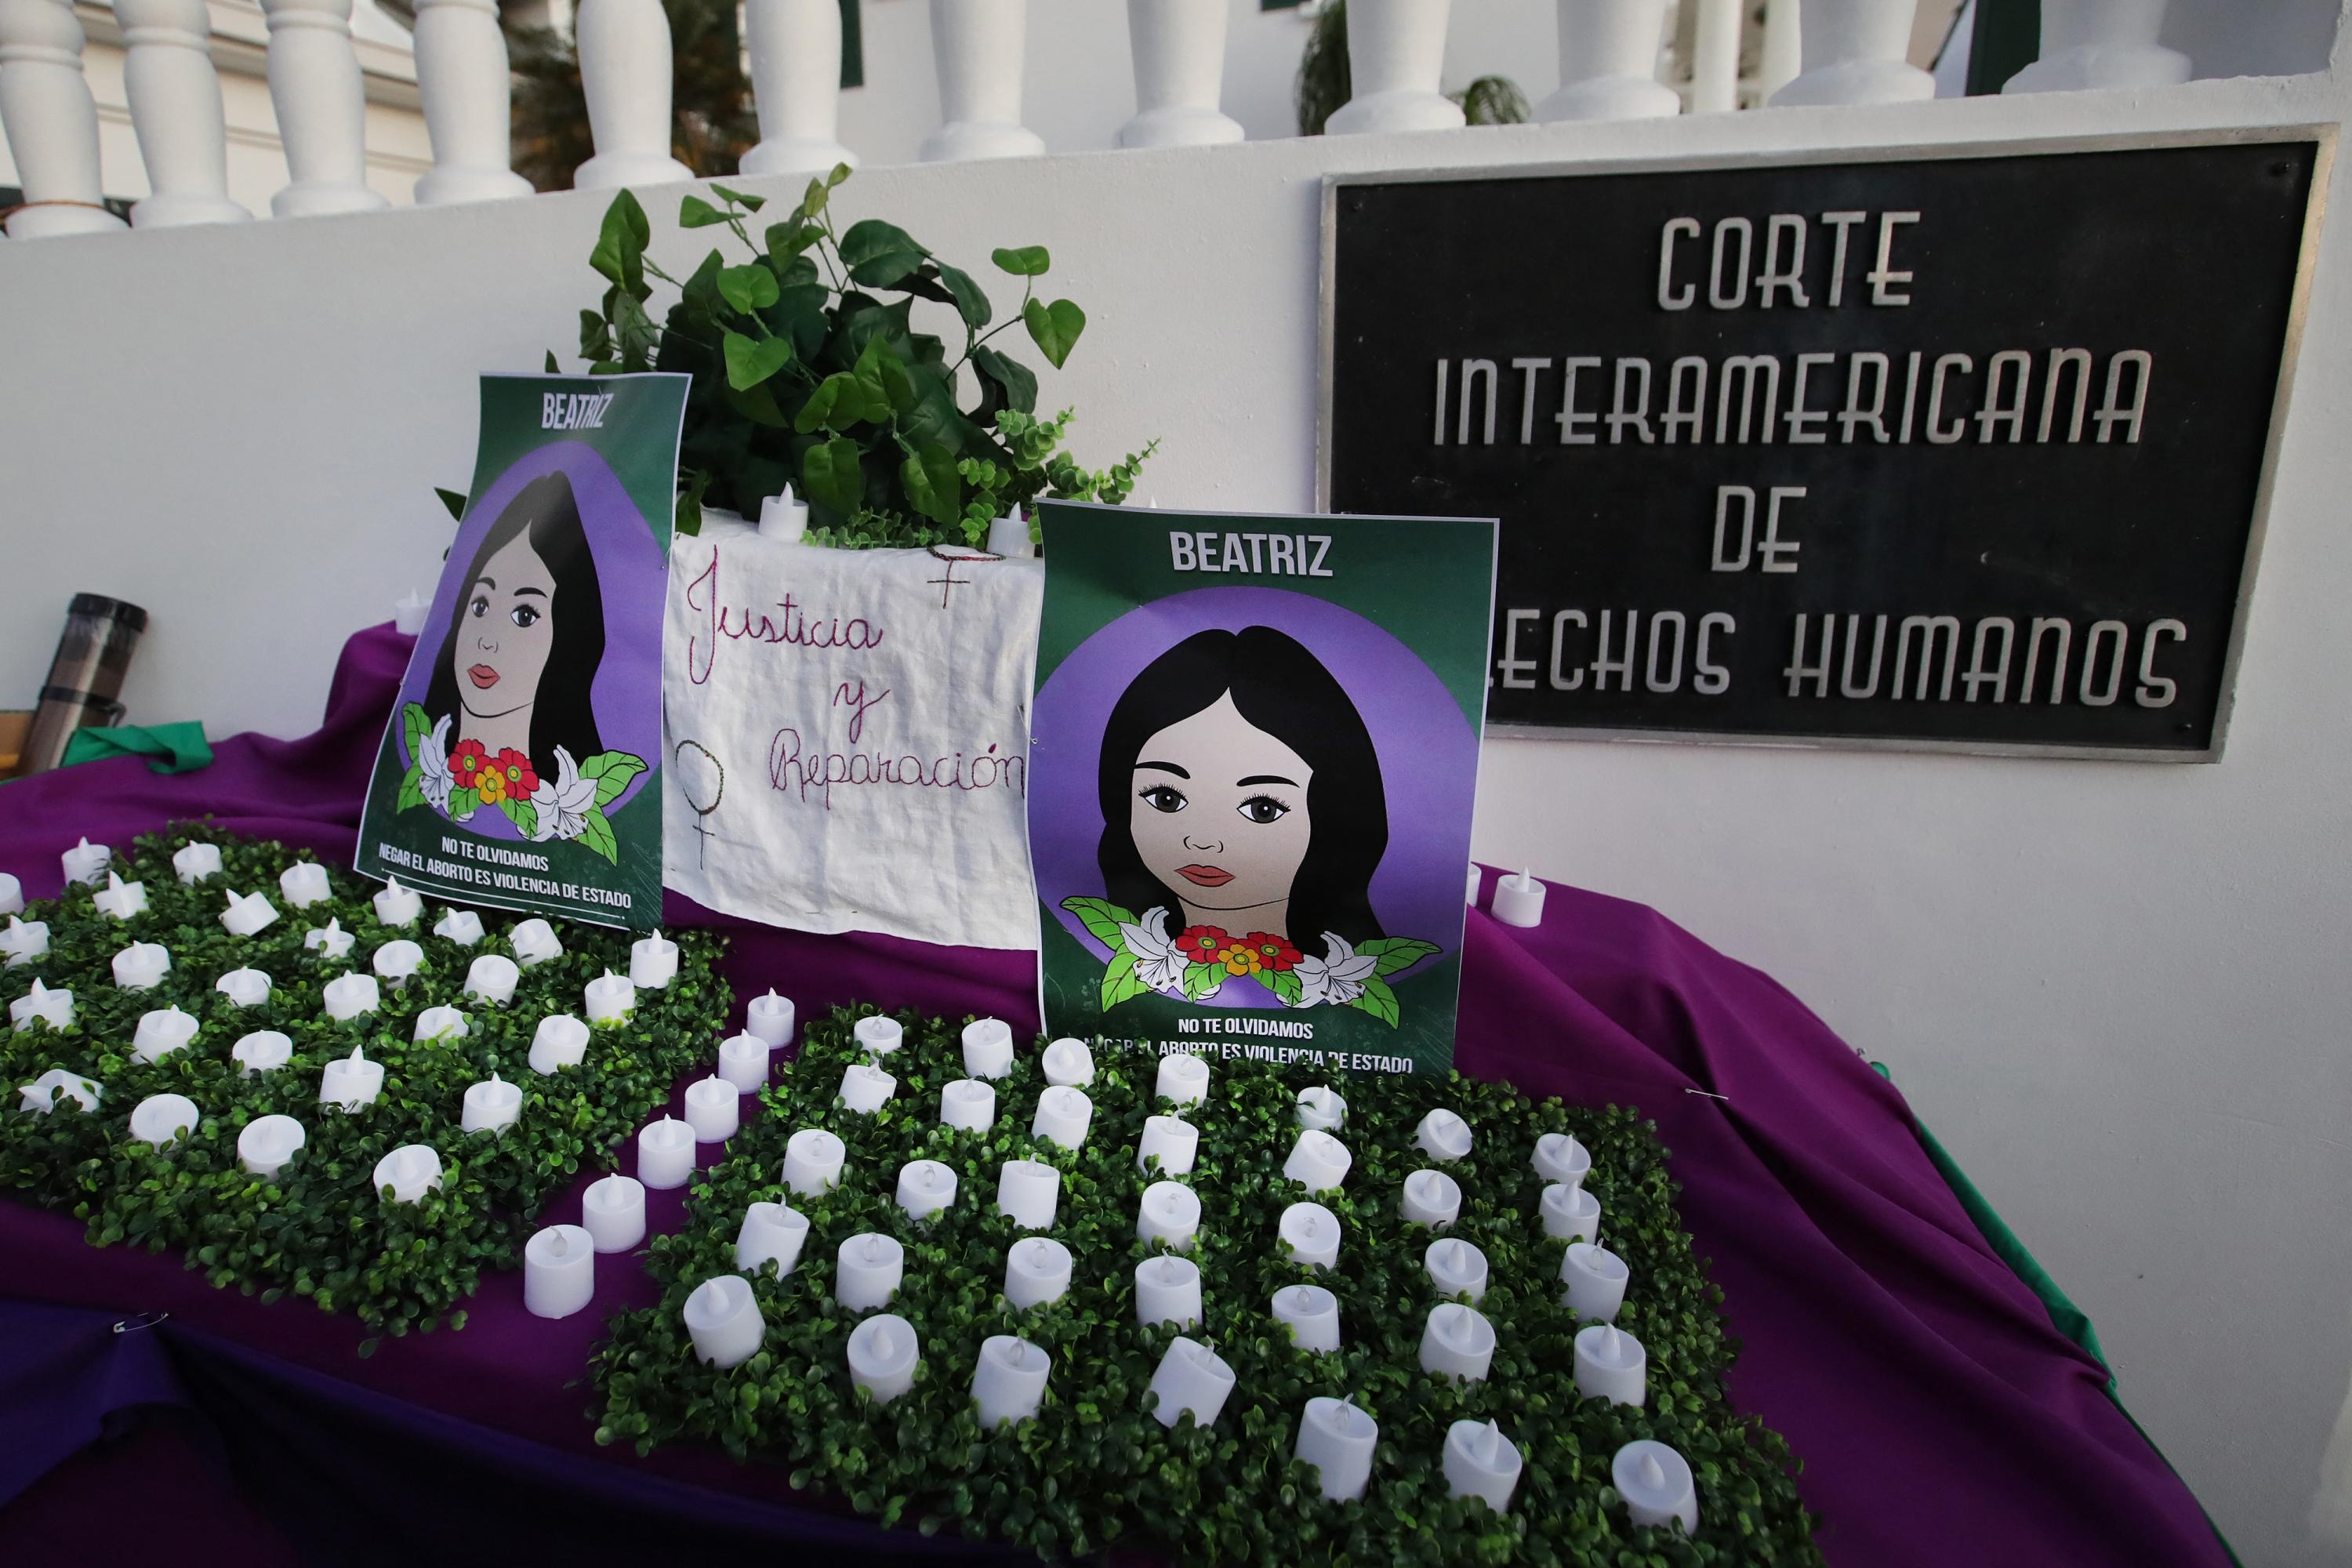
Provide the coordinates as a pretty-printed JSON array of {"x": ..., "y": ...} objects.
[{"x": 2118, "y": 991}]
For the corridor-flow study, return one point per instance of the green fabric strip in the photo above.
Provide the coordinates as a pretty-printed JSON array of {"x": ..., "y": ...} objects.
[{"x": 174, "y": 748}]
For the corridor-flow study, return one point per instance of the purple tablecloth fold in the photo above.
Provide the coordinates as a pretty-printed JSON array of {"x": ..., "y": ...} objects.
[{"x": 1942, "y": 1420}]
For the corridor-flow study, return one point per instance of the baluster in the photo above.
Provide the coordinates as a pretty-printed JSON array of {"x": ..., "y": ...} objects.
[
  {"x": 1396, "y": 53},
  {"x": 2101, "y": 43},
  {"x": 625, "y": 64},
  {"x": 1714, "y": 58},
  {"x": 1854, "y": 53},
  {"x": 1784, "y": 47},
  {"x": 795, "y": 48},
  {"x": 1179, "y": 47},
  {"x": 314, "y": 84},
  {"x": 175, "y": 109},
  {"x": 1609, "y": 62},
  {"x": 50, "y": 119},
  {"x": 469, "y": 92},
  {"x": 976, "y": 45}
]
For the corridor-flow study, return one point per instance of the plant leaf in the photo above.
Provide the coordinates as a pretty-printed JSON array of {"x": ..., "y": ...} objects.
[
  {"x": 693, "y": 211},
  {"x": 454, "y": 501},
  {"x": 620, "y": 253},
  {"x": 748, "y": 287},
  {"x": 825, "y": 405},
  {"x": 832, "y": 477},
  {"x": 932, "y": 487},
  {"x": 1055, "y": 328},
  {"x": 743, "y": 199},
  {"x": 1015, "y": 384},
  {"x": 752, "y": 360},
  {"x": 1028, "y": 261},
  {"x": 970, "y": 301},
  {"x": 878, "y": 254}
]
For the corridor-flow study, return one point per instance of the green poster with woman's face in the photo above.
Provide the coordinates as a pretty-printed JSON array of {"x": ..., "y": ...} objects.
[
  {"x": 1254, "y": 753},
  {"x": 520, "y": 767}
]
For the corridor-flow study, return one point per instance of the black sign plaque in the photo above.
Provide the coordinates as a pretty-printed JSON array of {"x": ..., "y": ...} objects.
[{"x": 1957, "y": 450}]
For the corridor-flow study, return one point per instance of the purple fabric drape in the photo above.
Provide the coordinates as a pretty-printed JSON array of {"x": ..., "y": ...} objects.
[{"x": 1942, "y": 1420}]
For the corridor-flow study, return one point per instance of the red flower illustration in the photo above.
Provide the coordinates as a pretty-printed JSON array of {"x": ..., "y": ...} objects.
[
  {"x": 521, "y": 777},
  {"x": 1272, "y": 953},
  {"x": 1200, "y": 944},
  {"x": 467, "y": 762}
]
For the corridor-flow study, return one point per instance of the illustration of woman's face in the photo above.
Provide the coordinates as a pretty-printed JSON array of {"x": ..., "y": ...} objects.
[
  {"x": 1220, "y": 812},
  {"x": 504, "y": 632}
]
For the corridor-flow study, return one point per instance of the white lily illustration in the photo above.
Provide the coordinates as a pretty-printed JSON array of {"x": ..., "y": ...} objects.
[
  {"x": 434, "y": 780},
  {"x": 1157, "y": 963},
  {"x": 1337, "y": 977},
  {"x": 562, "y": 802}
]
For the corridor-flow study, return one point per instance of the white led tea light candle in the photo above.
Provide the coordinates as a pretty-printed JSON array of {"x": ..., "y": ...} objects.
[
  {"x": 743, "y": 1062},
  {"x": 769, "y": 1018},
  {"x": 1028, "y": 1192},
  {"x": 160, "y": 1032},
  {"x": 442, "y": 1023},
  {"x": 1338, "y": 1439},
  {"x": 1321, "y": 1110},
  {"x": 559, "y": 1271},
  {"x": 968, "y": 1103},
  {"x": 1481, "y": 1462},
  {"x": 1443, "y": 1135},
  {"x": 1069, "y": 1063},
  {"x": 330, "y": 938},
  {"x": 865, "y": 1088},
  {"x": 1036, "y": 1271},
  {"x": 160, "y": 1117},
  {"x": 883, "y": 1354},
  {"x": 561, "y": 1041},
  {"x": 264, "y": 1051},
  {"x": 1596, "y": 1280},
  {"x": 1009, "y": 1380},
  {"x": 349, "y": 996},
  {"x": 1166, "y": 1291},
  {"x": 713, "y": 1109},
  {"x": 1611, "y": 1364},
  {"x": 1559, "y": 1157},
  {"x": 1432, "y": 1198},
  {"x": 665, "y": 1153},
  {"x": 925, "y": 1187},
  {"x": 140, "y": 966},
  {"x": 1312, "y": 1315},
  {"x": 1518, "y": 899},
  {"x": 1171, "y": 1140},
  {"x": 86, "y": 863},
  {"x": 463, "y": 927},
  {"x": 1457, "y": 1341},
  {"x": 812, "y": 1159},
  {"x": 722, "y": 1318},
  {"x": 1657, "y": 1483},
  {"x": 55, "y": 1008},
  {"x": 1309, "y": 1235},
  {"x": 267, "y": 1142},
  {"x": 1182, "y": 1078},
  {"x": 1063, "y": 1116},
  {"x": 1571, "y": 1212},
  {"x": 609, "y": 998},
  {"x": 24, "y": 941},
  {"x": 248, "y": 914},
  {"x": 1456, "y": 1269},
  {"x": 396, "y": 962},
  {"x": 877, "y": 1035},
  {"x": 304, "y": 883},
  {"x": 245, "y": 987},
  {"x": 491, "y": 1106},
  {"x": 867, "y": 1271},
  {"x": 12, "y": 895},
  {"x": 396, "y": 905},
  {"x": 192, "y": 863},
  {"x": 613, "y": 1211},
  {"x": 769, "y": 1239},
  {"x": 1318, "y": 1162},
  {"x": 653, "y": 962},
  {"x": 1168, "y": 1212},
  {"x": 351, "y": 1081},
  {"x": 533, "y": 941},
  {"x": 1192, "y": 1377},
  {"x": 492, "y": 978},
  {"x": 987, "y": 1048},
  {"x": 58, "y": 1088},
  {"x": 409, "y": 1173},
  {"x": 119, "y": 899}
]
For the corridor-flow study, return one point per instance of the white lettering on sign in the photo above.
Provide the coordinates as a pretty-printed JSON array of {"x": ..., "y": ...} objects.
[
  {"x": 1262, "y": 554},
  {"x": 573, "y": 410}
]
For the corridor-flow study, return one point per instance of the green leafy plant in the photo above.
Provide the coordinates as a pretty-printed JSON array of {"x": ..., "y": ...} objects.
[
  {"x": 317, "y": 1228},
  {"x": 808, "y": 371},
  {"x": 1097, "y": 1469}
]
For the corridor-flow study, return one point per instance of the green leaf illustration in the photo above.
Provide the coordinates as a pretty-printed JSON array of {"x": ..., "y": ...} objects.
[
  {"x": 410, "y": 794},
  {"x": 597, "y": 835},
  {"x": 612, "y": 771},
  {"x": 1120, "y": 983},
  {"x": 1100, "y": 917},
  {"x": 1396, "y": 952},
  {"x": 1379, "y": 1001}
]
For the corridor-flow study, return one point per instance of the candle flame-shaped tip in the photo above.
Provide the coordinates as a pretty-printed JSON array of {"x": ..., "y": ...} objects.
[
  {"x": 560, "y": 1245},
  {"x": 1491, "y": 1443},
  {"x": 113, "y": 882},
  {"x": 355, "y": 1056},
  {"x": 884, "y": 1346},
  {"x": 392, "y": 884},
  {"x": 1169, "y": 1271},
  {"x": 1458, "y": 1258},
  {"x": 1654, "y": 1474},
  {"x": 1527, "y": 875},
  {"x": 873, "y": 1249},
  {"x": 1609, "y": 1348}
]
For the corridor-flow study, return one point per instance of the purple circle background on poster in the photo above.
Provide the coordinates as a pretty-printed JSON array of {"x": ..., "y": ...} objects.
[
  {"x": 626, "y": 695},
  {"x": 1428, "y": 755}
]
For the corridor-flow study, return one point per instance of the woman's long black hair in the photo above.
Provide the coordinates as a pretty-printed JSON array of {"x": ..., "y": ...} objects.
[
  {"x": 560, "y": 713},
  {"x": 1282, "y": 689}
]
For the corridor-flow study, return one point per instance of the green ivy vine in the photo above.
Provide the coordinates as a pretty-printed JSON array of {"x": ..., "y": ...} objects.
[
  {"x": 1095, "y": 1470},
  {"x": 317, "y": 1228}
]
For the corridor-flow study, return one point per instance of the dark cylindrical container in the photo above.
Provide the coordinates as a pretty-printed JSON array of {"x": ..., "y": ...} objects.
[{"x": 85, "y": 679}]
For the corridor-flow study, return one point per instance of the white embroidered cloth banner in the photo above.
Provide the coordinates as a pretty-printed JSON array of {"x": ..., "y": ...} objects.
[{"x": 847, "y": 737}]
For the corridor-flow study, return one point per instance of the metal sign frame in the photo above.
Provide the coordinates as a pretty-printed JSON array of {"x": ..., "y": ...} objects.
[{"x": 2290, "y": 349}]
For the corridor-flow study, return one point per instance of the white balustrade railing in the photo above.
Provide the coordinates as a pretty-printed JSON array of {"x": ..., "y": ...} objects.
[
  {"x": 1396, "y": 55},
  {"x": 1609, "y": 62},
  {"x": 978, "y": 47},
  {"x": 51, "y": 120},
  {"x": 2101, "y": 43},
  {"x": 469, "y": 91},
  {"x": 795, "y": 49},
  {"x": 175, "y": 112},
  {"x": 1179, "y": 47},
  {"x": 624, "y": 67},
  {"x": 314, "y": 85},
  {"x": 1855, "y": 52},
  {"x": 1814, "y": 52}
]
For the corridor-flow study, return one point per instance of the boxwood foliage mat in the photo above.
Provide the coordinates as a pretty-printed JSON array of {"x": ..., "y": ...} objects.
[
  {"x": 1094, "y": 1468},
  {"x": 317, "y": 1227}
]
